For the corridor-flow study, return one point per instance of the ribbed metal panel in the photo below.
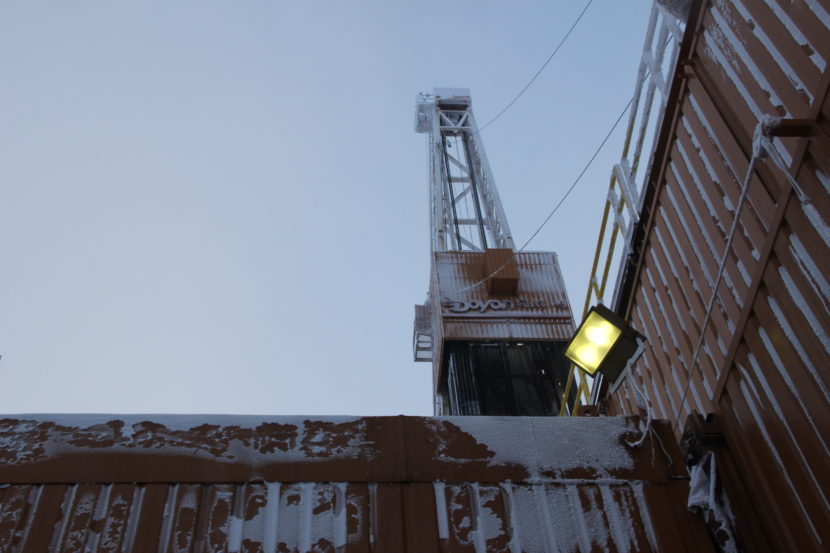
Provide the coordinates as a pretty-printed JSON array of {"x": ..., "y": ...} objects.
[
  {"x": 450, "y": 489},
  {"x": 764, "y": 364},
  {"x": 305, "y": 517},
  {"x": 460, "y": 277}
]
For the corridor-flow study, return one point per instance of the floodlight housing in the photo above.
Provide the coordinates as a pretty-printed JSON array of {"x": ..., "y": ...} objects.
[{"x": 603, "y": 343}]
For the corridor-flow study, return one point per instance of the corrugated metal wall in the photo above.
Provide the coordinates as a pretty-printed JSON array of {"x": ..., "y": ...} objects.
[
  {"x": 764, "y": 360},
  {"x": 539, "y": 310},
  {"x": 392, "y": 485},
  {"x": 328, "y": 517},
  {"x": 460, "y": 276}
]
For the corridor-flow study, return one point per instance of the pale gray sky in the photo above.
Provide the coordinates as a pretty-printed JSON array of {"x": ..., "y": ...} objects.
[{"x": 216, "y": 206}]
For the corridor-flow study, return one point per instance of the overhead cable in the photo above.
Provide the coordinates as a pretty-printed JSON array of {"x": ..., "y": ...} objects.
[
  {"x": 561, "y": 200},
  {"x": 539, "y": 72}
]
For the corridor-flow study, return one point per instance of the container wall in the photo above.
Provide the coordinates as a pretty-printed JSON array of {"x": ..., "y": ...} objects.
[{"x": 745, "y": 337}]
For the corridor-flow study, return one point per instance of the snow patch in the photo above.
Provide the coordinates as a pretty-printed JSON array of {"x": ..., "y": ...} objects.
[{"x": 536, "y": 443}]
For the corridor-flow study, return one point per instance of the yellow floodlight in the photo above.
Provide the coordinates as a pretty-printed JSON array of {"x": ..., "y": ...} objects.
[{"x": 604, "y": 342}]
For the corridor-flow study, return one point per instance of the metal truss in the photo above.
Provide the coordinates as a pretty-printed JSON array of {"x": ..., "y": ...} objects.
[{"x": 465, "y": 209}]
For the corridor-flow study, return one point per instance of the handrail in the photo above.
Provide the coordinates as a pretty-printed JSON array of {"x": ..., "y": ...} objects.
[{"x": 622, "y": 203}]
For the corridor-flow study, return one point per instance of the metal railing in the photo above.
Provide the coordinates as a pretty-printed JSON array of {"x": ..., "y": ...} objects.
[{"x": 623, "y": 202}]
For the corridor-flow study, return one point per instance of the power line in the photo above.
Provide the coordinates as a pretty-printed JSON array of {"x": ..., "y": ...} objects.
[
  {"x": 539, "y": 72},
  {"x": 581, "y": 174},
  {"x": 561, "y": 200}
]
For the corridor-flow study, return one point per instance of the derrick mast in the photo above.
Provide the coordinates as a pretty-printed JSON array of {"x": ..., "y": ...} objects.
[{"x": 496, "y": 321}]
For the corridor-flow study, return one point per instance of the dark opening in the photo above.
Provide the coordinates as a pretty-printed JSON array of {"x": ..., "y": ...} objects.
[{"x": 506, "y": 378}]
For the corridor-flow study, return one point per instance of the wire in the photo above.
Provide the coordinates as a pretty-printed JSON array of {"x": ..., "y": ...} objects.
[
  {"x": 762, "y": 148},
  {"x": 539, "y": 72},
  {"x": 560, "y": 202},
  {"x": 579, "y": 178}
]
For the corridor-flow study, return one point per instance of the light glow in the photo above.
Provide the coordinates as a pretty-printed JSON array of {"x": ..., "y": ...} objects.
[{"x": 592, "y": 342}]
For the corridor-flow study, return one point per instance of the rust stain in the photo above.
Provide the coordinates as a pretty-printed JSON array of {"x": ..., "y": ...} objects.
[
  {"x": 292, "y": 497},
  {"x": 27, "y": 441},
  {"x": 450, "y": 442},
  {"x": 324, "y": 438},
  {"x": 255, "y": 503},
  {"x": 324, "y": 501},
  {"x": 249, "y": 546}
]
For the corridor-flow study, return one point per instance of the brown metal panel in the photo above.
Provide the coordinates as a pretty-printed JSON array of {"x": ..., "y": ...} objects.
[
  {"x": 811, "y": 406},
  {"x": 539, "y": 309},
  {"x": 750, "y": 35},
  {"x": 680, "y": 330},
  {"x": 387, "y": 518},
  {"x": 752, "y": 58},
  {"x": 659, "y": 500},
  {"x": 707, "y": 195},
  {"x": 782, "y": 383},
  {"x": 681, "y": 255},
  {"x": 790, "y": 306},
  {"x": 461, "y": 529},
  {"x": 575, "y": 502},
  {"x": 655, "y": 371},
  {"x": 115, "y": 525},
  {"x": 790, "y": 264},
  {"x": 814, "y": 177},
  {"x": 797, "y": 53},
  {"x": 76, "y": 531},
  {"x": 46, "y": 518},
  {"x": 710, "y": 211},
  {"x": 706, "y": 242},
  {"x": 212, "y": 532},
  {"x": 806, "y": 238},
  {"x": 735, "y": 154},
  {"x": 693, "y": 243},
  {"x": 183, "y": 518},
  {"x": 777, "y": 392},
  {"x": 673, "y": 368},
  {"x": 801, "y": 464},
  {"x": 680, "y": 320},
  {"x": 500, "y": 267},
  {"x": 750, "y": 85},
  {"x": 787, "y": 358},
  {"x": 663, "y": 254},
  {"x": 250, "y": 511},
  {"x": 772, "y": 491},
  {"x": 358, "y": 515},
  {"x": 695, "y": 535},
  {"x": 629, "y": 528},
  {"x": 16, "y": 505},
  {"x": 653, "y": 381},
  {"x": 711, "y": 66},
  {"x": 709, "y": 133},
  {"x": 148, "y": 517},
  {"x": 278, "y": 451},
  {"x": 421, "y": 529}
]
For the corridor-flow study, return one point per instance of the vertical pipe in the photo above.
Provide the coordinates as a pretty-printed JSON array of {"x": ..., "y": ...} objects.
[
  {"x": 465, "y": 139},
  {"x": 451, "y": 191}
]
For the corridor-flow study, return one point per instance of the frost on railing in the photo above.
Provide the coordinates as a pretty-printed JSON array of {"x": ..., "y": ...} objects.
[{"x": 629, "y": 175}]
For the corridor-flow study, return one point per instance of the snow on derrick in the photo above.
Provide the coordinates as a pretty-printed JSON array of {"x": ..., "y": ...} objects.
[
  {"x": 495, "y": 320},
  {"x": 465, "y": 210},
  {"x": 382, "y": 484}
]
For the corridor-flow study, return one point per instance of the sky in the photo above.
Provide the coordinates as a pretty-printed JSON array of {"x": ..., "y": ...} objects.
[{"x": 221, "y": 207}]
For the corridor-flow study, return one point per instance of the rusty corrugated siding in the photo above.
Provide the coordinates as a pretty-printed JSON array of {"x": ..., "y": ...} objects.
[
  {"x": 385, "y": 484},
  {"x": 459, "y": 277},
  {"x": 764, "y": 366},
  {"x": 283, "y": 517}
]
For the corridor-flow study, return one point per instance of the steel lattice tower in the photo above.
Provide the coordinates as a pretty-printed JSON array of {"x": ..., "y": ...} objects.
[
  {"x": 465, "y": 210},
  {"x": 496, "y": 321}
]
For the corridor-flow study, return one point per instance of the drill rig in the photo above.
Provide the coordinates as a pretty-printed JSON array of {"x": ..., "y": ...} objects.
[{"x": 496, "y": 321}]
